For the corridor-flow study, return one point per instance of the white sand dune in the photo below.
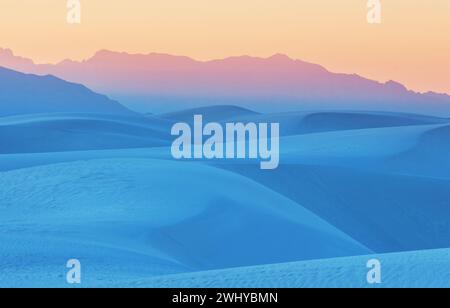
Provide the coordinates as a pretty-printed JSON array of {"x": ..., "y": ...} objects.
[
  {"x": 307, "y": 122},
  {"x": 75, "y": 132},
  {"x": 416, "y": 269},
  {"x": 178, "y": 215},
  {"x": 105, "y": 189}
]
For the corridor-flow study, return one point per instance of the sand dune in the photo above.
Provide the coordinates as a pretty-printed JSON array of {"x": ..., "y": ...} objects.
[
  {"x": 105, "y": 189},
  {"x": 76, "y": 132},
  {"x": 416, "y": 269},
  {"x": 177, "y": 213}
]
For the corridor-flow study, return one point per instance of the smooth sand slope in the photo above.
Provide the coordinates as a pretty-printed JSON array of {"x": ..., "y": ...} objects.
[
  {"x": 105, "y": 189},
  {"x": 416, "y": 269},
  {"x": 177, "y": 216}
]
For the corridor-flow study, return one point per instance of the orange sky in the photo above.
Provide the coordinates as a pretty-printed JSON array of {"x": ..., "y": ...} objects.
[{"x": 412, "y": 45}]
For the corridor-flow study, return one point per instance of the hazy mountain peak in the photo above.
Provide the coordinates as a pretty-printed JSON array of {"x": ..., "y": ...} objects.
[
  {"x": 394, "y": 85},
  {"x": 6, "y": 51},
  {"x": 9, "y": 60},
  {"x": 280, "y": 57},
  {"x": 27, "y": 93}
]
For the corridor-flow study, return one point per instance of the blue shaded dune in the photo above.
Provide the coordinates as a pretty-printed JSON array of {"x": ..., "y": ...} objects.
[
  {"x": 104, "y": 188},
  {"x": 128, "y": 206},
  {"x": 59, "y": 132},
  {"x": 416, "y": 269}
]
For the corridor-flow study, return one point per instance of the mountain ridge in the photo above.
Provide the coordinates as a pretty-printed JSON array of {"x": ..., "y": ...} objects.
[
  {"x": 277, "y": 80},
  {"x": 25, "y": 93},
  {"x": 106, "y": 52}
]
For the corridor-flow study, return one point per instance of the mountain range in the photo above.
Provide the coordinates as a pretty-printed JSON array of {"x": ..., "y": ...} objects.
[
  {"x": 26, "y": 94},
  {"x": 160, "y": 82}
]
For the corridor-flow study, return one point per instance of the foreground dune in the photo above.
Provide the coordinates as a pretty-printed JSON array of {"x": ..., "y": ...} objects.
[
  {"x": 176, "y": 215},
  {"x": 416, "y": 269}
]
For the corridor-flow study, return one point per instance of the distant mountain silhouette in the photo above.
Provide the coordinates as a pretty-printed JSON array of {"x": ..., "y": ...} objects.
[
  {"x": 278, "y": 81},
  {"x": 24, "y": 94}
]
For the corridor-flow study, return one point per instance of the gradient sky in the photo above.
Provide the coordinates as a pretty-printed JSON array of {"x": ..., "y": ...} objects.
[{"x": 412, "y": 45}]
